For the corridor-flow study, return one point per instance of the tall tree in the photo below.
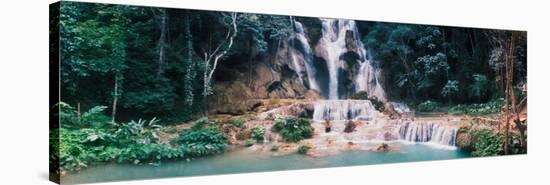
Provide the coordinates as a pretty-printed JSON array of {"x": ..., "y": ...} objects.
[
  {"x": 163, "y": 25},
  {"x": 188, "y": 63},
  {"x": 212, "y": 57}
]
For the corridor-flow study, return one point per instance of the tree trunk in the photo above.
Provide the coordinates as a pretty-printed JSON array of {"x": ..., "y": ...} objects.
[
  {"x": 78, "y": 113},
  {"x": 510, "y": 99},
  {"x": 213, "y": 57},
  {"x": 115, "y": 98},
  {"x": 471, "y": 42},
  {"x": 412, "y": 87},
  {"x": 162, "y": 40}
]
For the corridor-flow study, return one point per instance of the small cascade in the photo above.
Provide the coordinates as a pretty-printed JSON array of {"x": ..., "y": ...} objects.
[
  {"x": 344, "y": 110},
  {"x": 401, "y": 108},
  {"x": 428, "y": 132}
]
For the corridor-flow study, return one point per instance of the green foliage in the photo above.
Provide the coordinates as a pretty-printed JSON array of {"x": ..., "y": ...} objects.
[
  {"x": 249, "y": 142},
  {"x": 491, "y": 107},
  {"x": 293, "y": 129},
  {"x": 428, "y": 106},
  {"x": 72, "y": 153},
  {"x": 69, "y": 116},
  {"x": 480, "y": 86},
  {"x": 430, "y": 70},
  {"x": 201, "y": 123},
  {"x": 451, "y": 89},
  {"x": 303, "y": 149},
  {"x": 274, "y": 148},
  {"x": 238, "y": 122},
  {"x": 438, "y": 63},
  {"x": 203, "y": 142},
  {"x": 132, "y": 142},
  {"x": 257, "y": 133},
  {"x": 126, "y": 142},
  {"x": 487, "y": 143}
]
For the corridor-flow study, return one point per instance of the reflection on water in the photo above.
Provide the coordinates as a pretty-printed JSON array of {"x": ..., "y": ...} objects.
[{"x": 244, "y": 160}]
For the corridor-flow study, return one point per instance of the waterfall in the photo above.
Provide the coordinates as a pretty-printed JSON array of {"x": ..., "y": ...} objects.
[
  {"x": 301, "y": 54},
  {"x": 428, "y": 132},
  {"x": 367, "y": 80},
  {"x": 331, "y": 45},
  {"x": 338, "y": 37},
  {"x": 343, "y": 110}
]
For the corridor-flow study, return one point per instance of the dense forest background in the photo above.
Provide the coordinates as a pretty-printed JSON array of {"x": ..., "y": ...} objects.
[{"x": 145, "y": 62}]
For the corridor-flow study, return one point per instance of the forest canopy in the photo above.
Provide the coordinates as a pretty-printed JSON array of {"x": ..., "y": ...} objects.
[{"x": 160, "y": 62}]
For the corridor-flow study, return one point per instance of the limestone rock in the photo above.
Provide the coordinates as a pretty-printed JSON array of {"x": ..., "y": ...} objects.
[
  {"x": 231, "y": 99},
  {"x": 464, "y": 139}
]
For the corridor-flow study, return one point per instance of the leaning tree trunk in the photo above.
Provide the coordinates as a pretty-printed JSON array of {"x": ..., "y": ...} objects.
[
  {"x": 212, "y": 58},
  {"x": 115, "y": 97}
]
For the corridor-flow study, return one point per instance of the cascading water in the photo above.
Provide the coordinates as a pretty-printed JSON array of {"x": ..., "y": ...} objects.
[
  {"x": 339, "y": 66},
  {"x": 339, "y": 39},
  {"x": 331, "y": 46},
  {"x": 343, "y": 110},
  {"x": 428, "y": 132},
  {"x": 301, "y": 55}
]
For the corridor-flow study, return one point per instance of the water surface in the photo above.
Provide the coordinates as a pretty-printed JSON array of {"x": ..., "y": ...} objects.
[{"x": 244, "y": 160}]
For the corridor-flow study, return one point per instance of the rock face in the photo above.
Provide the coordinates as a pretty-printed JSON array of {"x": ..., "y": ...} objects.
[
  {"x": 321, "y": 59},
  {"x": 464, "y": 138},
  {"x": 299, "y": 109},
  {"x": 229, "y": 98}
]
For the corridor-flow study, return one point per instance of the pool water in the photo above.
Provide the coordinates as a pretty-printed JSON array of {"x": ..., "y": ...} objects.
[{"x": 243, "y": 160}]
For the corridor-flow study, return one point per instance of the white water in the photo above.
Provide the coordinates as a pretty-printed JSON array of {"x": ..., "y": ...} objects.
[
  {"x": 344, "y": 110},
  {"x": 331, "y": 47},
  {"x": 428, "y": 132},
  {"x": 303, "y": 57},
  {"x": 401, "y": 108}
]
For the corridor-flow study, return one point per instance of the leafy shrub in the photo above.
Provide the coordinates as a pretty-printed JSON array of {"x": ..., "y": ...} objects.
[
  {"x": 274, "y": 148},
  {"x": 428, "y": 106},
  {"x": 201, "y": 123},
  {"x": 249, "y": 142},
  {"x": 72, "y": 153},
  {"x": 70, "y": 117},
  {"x": 303, "y": 149},
  {"x": 132, "y": 142},
  {"x": 491, "y": 107},
  {"x": 204, "y": 141},
  {"x": 487, "y": 143},
  {"x": 238, "y": 123},
  {"x": 293, "y": 129},
  {"x": 257, "y": 133}
]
